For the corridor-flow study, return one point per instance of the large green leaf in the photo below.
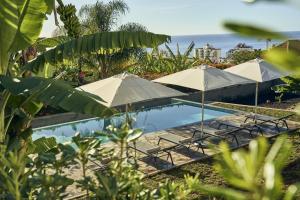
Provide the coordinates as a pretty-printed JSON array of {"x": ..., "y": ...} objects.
[
  {"x": 21, "y": 22},
  {"x": 44, "y": 43},
  {"x": 43, "y": 145},
  {"x": 101, "y": 43},
  {"x": 252, "y": 31},
  {"x": 285, "y": 60},
  {"x": 57, "y": 94},
  {"x": 21, "y": 103}
]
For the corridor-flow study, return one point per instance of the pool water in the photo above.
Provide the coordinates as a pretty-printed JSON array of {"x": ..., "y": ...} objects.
[{"x": 149, "y": 120}]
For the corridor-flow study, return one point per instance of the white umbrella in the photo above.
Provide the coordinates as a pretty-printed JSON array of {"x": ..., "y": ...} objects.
[
  {"x": 203, "y": 78},
  {"x": 259, "y": 71},
  {"x": 124, "y": 89}
]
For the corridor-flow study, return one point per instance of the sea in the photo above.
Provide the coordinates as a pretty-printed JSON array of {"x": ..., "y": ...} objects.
[{"x": 223, "y": 41}]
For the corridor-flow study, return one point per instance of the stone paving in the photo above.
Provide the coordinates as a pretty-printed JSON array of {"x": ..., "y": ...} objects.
[{"x": 181, "y": 155}]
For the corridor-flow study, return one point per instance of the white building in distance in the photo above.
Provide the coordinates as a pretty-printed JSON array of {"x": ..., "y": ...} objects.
[{"x": 208, "y": 52}]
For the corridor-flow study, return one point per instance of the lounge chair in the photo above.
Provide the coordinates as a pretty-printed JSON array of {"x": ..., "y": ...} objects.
[
  {"x": 208, "y": 133},
  {"x": 100, "y": 165},
  {"x": 268, "y": 119},
  {"x": 151, "y": 150},
  {"x": 218, "y": 133},
  {"x": 102, "y": 162},
  {"x": 250, "y": 127},
  {"x": 181, "y": 141}
]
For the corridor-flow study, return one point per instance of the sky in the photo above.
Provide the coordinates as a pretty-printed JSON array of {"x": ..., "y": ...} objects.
[{"x": 191, "y": 17}]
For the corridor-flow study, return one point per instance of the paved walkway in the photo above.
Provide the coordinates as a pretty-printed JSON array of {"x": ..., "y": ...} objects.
[{"x": 182, "y": 155}]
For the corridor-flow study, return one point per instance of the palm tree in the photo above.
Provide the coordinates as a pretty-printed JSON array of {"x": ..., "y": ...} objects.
[{"x": 103, "y": 17}]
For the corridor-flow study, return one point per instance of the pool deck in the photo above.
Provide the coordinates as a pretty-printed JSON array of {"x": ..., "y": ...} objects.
[{"x": 181, "y": 155}]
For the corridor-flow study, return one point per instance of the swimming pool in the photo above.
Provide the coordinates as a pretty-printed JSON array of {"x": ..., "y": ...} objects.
[{"x": 148, "y": 119}]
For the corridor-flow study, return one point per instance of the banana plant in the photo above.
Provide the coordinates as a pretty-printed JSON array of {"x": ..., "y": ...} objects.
[
  {"x": 180, "y": 61},
  {"x": 153, "y": 62},
  {"x": 68, "y": 16},
  {"x": 21, "y": 23},
  {"x": 35, "y": 90},
  {"x": 100, "y": 43}
]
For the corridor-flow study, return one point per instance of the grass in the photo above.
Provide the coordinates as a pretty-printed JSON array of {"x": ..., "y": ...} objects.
[{"x": 206, "y": 171}]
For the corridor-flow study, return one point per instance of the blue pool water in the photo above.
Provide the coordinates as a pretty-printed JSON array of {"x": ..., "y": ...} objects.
[{"x": 149, "y": 120}]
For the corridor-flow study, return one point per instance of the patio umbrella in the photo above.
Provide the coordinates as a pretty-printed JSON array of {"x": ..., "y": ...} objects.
[
  {"x": 125, "y": 88},
  {"x": 259, "y": 71},
  {"x": 203, "y": 78}
]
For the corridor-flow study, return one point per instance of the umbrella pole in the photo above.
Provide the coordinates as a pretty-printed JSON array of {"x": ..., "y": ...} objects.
[
  {"x": 256, "y": 101},
  {"x": 126, "y": 115},
  {"x": 202, "y": 118}
]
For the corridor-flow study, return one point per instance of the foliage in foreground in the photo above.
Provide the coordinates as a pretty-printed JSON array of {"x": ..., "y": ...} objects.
[
  {"x": 39, "y": 173},
  {"x": 252, "y": 174}
]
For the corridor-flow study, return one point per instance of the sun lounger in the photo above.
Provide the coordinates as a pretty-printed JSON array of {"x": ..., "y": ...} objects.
[
  {"x": 250, "y": 127},
  {"x": 268, "y": 119},
  {"x": 151, "y": 150},
  {"x": 218, "y": 133},
  {"x": 100, "y": 165},
  {"x": 181, "y": 141}
]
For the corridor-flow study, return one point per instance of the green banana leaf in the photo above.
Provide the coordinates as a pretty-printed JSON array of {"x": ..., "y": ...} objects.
[
  {"x": 252, "y": 31},
  {"x": 43, "y": 43},
  {"x": 21, "y": 22},
  {"x": 56, "y": 93},
  {"x": 43, "y": 145},
  {"x": 101, "y": 43}
]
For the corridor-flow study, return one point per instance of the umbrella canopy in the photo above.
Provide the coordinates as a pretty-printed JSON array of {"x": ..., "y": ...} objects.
[
  {"x": 127, "y": 88},
  {"x": 203, "y": 78},
  {"x": 257, "y": 70}
]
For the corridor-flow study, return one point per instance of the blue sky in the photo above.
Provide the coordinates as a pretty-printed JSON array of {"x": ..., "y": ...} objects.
[{"x": 188, "y": 17}]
